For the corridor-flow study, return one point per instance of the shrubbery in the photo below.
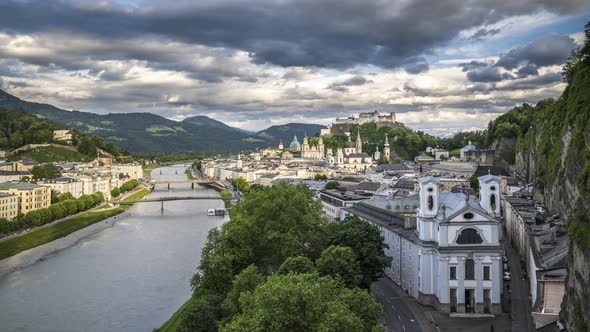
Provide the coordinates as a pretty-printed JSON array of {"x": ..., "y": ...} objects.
[{"x": 66, "y": 207}]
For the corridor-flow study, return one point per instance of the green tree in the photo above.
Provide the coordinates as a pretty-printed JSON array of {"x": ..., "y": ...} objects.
[
  {"x": 46, "y": 215},
  {"x": 332, "y": 185},
  {"x": 366, "y": 242},
  {"x": 245, "y": 281},
  {"x": 88, "y": 201},
  {"x": 99, "y": 197},
  {"x": 57, "y": 210},
  {"x": 71, "y": 207},
  {"x": 201, "y": 314},
  {"x": 33, "y": 217},
  {"x": 305, "y": 302},
  {"x": 241, "y": 184},
  {"x": 88, "y": 147},
  {"x": 320, "y": 177},
  {"x": 66, "y": 197},
  {"x": 45, "y": 171},
  {"x": 474, "y": 183},
  {"x": 340, "y": 262},
  {"x": 297, "y": 264},
  {"x": 115, "y": 192}
]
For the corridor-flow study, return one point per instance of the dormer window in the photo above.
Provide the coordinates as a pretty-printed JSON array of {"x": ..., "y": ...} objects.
[
  {"x": 492, "y": 188},
  {"x": 468, "y": 216},
  {"x": 430, "y": 190},
  {"x": 430, "y": 203}
]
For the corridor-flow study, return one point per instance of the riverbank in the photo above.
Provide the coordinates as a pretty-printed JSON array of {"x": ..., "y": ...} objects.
[{"x": 26, "y": 249}]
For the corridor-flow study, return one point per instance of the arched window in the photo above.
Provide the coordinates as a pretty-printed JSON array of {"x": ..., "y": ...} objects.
[
  {"x": 469, "y": 269},
  {"x": 430, "y": 203},
  {"x": 493, "y": 202},
  {"x": 469, "y": 236}
]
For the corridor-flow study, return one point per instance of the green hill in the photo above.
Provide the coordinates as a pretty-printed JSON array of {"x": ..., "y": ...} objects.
[{"x": 146, "y": 132}]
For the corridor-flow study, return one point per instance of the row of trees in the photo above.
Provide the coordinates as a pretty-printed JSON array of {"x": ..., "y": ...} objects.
[
  {"x": 66, "y": 206},
  {"x": 127, "y": 186},
  {"x": 276, "y": 255}
]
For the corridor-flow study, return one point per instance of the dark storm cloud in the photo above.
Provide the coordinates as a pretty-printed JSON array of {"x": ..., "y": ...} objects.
[
  {"x": 485, "y": 75},
  {"x": 547, "y": 51},
  {"x": 335, "y": 33},
  {"x": 417, "y": 66},
  {"x": 473, "y": 65},
  {"x": 353, "y": 81},
  {"x": 528, "y": 70},
  {"x": 482, "y": 34}
]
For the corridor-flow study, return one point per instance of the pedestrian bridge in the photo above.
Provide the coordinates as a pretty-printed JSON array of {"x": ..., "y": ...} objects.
[
  {"x": 173, "y": 198},
  {"x": 204, "y": 182}
]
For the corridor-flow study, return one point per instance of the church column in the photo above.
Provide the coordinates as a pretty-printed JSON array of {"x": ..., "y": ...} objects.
[
  {"x": 460, "y": 285},
  {"x": 443, "y": 284},
  {"x": 478, "y": 284}
]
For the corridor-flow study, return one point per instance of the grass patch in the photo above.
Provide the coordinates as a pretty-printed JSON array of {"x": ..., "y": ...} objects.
[
  {"x": 36, "y": 238},
  {"x": 138, "y": 195},
  {"x": 174, "y": 321},
  {"x": 189, "y": 174},
  {"x": 50, "y": 154},
  {"x": 455, "y": 153}
]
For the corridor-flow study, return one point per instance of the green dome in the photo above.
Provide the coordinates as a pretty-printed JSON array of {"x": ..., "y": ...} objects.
[{"x": 295, "y": 144}]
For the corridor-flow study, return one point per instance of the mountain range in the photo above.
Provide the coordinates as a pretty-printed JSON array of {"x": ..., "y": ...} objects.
[{"x": 147, "y": 132}]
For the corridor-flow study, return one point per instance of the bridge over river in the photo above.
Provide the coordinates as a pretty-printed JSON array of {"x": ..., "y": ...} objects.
[{"x": 204, "y": 182}]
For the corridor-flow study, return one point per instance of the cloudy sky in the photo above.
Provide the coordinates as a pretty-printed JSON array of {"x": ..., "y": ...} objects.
[{"x": 443, "y": 66}]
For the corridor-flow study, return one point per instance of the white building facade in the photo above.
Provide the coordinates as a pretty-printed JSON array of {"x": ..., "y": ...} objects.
[{"x": 452, "y": 258}]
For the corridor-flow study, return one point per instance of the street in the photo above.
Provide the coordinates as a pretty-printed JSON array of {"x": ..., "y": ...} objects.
[
  {"x": 397, "y": 315},
  {"x": 522, "y": 320}
]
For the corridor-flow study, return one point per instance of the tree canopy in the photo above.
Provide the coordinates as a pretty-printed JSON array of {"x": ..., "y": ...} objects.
[{"x": 305, "y": 302}]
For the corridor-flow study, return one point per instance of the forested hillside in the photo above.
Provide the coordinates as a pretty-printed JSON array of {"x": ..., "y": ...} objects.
[{"x": 19, "y": 128}]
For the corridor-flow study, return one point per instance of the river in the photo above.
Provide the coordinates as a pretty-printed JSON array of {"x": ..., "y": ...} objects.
[{"x": 131, "y": 277}]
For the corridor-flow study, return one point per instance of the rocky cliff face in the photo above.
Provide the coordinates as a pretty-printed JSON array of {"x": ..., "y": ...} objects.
[{"x": 554, "y": 154}]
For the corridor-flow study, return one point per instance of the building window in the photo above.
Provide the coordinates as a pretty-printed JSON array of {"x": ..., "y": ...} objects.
[
  {"x": 469, "y": 269},
  {"x": 486, "y": 272},
  {"x": 469, "y": 236},
  {"x": 453, "y": 273},
  {"x": 430, "y": 203},
  {"x": 493, "y": 202}
]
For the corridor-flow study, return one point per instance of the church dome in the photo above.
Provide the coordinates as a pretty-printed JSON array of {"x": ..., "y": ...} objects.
[
  {"x": 295, "y": 143},
  {"x": 349, "y": 144}
]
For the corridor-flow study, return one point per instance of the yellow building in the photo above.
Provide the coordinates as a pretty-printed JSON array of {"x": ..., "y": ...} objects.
[
  {"x": 8, "y": 206},
  {"x": 30, "y": 196},
  {"x": 62, "y": 134}
]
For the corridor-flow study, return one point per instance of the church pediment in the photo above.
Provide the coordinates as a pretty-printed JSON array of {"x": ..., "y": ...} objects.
[{"x": 470, "y": 214}]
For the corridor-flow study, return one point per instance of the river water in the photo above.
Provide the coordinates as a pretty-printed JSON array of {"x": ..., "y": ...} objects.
[{"x": 130, "y": 277}]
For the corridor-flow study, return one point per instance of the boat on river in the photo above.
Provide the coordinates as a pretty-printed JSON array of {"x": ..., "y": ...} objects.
[{"x": 216, "y": 212}]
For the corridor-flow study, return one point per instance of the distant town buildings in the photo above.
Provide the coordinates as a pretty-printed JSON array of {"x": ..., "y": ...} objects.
[
  {"x": 8, "y": 206},
  {"x": 30, "y": 196}
]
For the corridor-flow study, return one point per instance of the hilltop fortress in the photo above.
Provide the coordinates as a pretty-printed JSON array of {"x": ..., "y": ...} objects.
[{"x": 342, "y": 125}]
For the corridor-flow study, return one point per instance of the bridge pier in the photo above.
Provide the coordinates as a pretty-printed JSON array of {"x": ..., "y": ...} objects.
[
  {"x": 169, "y": 186},
  {"x": 193, "y": 185},
  {"x": 162, "y": 208}
]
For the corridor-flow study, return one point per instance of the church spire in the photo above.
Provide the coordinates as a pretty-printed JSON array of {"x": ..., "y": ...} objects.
[
  {"x": 359, "y": 143},
  {"x": 386, "y": 140}
]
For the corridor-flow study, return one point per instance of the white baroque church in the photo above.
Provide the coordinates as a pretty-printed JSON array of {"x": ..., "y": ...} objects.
[
  {"x": 451, "y": 258},
  {"x": 350, "y": 157}
]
